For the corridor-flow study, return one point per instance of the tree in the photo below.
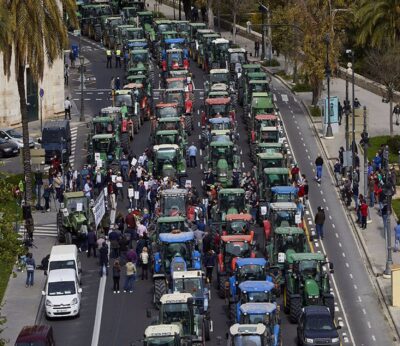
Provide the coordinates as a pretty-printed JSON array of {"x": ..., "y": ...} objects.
[
  {"x": 384, "y": 67},
  {"x": 378, "y": 22},
  {"x": 210, "y": 13},
  {"x": 235, "y": 6},
  {"x": 37, "y": 33}
]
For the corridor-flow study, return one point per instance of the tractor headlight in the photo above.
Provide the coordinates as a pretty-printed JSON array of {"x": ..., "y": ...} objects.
[
  {"x": 309, "y": 341},
  {"x": 222, "y": 174}
]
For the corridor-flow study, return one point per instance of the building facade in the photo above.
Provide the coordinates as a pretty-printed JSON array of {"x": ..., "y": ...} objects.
[{"x": 49, "y": 106}]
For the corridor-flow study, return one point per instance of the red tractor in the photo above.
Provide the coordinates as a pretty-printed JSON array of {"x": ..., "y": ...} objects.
[
  {"x": 232, "y": 247},
  {"x": 238, "y": 224},
  {"x": 185, "y": 105},
  {"x": 219, "y": 107}
]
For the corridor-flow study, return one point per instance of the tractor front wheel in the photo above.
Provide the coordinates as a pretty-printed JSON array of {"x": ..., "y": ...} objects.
[
  {"x": 68, "y": 238},
  {"x": 221, "y": 287},
  {"x": 207, "y": 329}
]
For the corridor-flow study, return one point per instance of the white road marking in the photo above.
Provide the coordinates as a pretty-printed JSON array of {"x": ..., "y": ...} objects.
[
  {"x": 330, "y": 217},
  {"x": 373, "y": 337},
  {"x": 284, "y": 98},
  {"x": 98, "y": 99},
  {"x": 274, "y": 97},
  {"x": 369, "y": 324},
  {"x": 364, "y": 311},
  {"x": 343, "y": 254},
  {"x": 333, "y": 225},
  {"x": 359, "y": 299},
  {"x": 243, "y": 164},
  {"x": 324, "y": 200},
  {"x": 199, "y": 136},
  {"x": 337, "y": 235},
  {"x": 340, "y": 244},
  {"x": 355, "y": 287},
  {"x": 347, "y": 265}
]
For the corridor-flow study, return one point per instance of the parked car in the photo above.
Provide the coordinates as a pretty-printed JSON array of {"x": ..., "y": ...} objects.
[
  {"x": 316, "y": 327},
  {"x": 8, "y": 148},
  {"x": 16, "y": 137},
  {"x": 35, "y": 335}
]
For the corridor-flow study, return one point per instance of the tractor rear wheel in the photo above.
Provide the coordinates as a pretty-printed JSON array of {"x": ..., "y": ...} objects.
[
  {"x": 221, "y": 287},
  {"x": 160, "y": 288},
  {"x": 329, "y": 302},
  {"x": 60, "y": 228},
  {"x": 295, "y": 309},
  {"x": 68, "y": 238},
  {"x": 135, "y": 125},
  {"x": 125, "y": 141}
]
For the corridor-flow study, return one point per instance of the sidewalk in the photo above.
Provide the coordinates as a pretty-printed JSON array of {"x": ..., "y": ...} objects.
[
  {"x": 21, "y": 304},
  {"x": 372, "y": 239}
]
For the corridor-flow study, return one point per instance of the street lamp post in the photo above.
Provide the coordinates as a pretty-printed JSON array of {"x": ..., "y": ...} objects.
[
  {"x": 365, "y": 141},
  {"x": 219, "y": 16},
  {"x": 180, "y": 9},
  {"x": 329, "y": 133},
  {"x": 353, "y": 129},
  {"x": 388, "y": 192},
  {"x": 82, "y": 116},
  {"x": 263, "y": 9}
]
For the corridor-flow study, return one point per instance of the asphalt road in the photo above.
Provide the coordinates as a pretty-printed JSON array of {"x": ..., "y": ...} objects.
[{"x": 124, "y": 318}]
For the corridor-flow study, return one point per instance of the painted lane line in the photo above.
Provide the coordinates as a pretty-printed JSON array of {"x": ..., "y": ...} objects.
[
  {"x": 324, "y": 200},
  {"x": 340, "y": 244},
  {"x": 364, "y": 311},
  {"x": 333, "y": 225},
  {"x": 347, "y": 265},
  {"x": 99, "y": 311},
  {"x": 330, "y": 217},
  {"x": 337, "y": 235},
  {"x": 359, "y": 299},
  {"x": 373, "y": 337},
  {"x": 355, "y": 287},
  {"x": 98, "y": 99},
  {"x": 369, "y": 324},
  {"x": 322, "y": 192},
  {"x": 343, "y": 254}
]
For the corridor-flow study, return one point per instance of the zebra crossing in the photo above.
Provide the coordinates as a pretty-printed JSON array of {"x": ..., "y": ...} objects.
[{"x": 48, "y": 230}]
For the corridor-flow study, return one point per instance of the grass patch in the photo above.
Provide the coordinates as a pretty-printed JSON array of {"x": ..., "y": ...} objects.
[
  {"x": 271, "y": 63},
  {"x": 396, "y": 207},
  {"x": 302, "y": 87},
  {"x": 375, "y": 144},
  {"x": 315, "y": 111},
  {"x": 5, "y": 272},
  {"x": 284, "y": 75}
]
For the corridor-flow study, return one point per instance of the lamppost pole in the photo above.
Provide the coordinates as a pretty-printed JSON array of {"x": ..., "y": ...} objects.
[
  {"x": 353, "y": 134},
  {"x": 180, "y": 9},
  {"x": 365, "y": 146},
  {"x": 329, "y": 133},
  {"x": 82, "y": 115},
  {"x": 388, "y": 191},
  {"x": 263, "y": 10},
  {"x": 347, "y": 110},
  {"x": 219, "y": 16}
]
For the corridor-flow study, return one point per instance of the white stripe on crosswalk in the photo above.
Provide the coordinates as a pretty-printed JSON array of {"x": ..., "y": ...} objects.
[
  {"x": 49, "y": 230},
  {"x": 284, "y": 98}
]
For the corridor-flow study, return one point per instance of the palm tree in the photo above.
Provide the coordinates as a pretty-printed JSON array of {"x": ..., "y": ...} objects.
[
  {"x": 37, "y": 33},
  {"x": 379, "y": 23}
]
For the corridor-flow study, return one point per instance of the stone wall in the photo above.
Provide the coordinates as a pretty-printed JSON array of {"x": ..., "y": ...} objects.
[{"x": 53, "y": 100}]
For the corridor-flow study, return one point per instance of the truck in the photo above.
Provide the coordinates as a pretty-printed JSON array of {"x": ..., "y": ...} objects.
[{"x": 56, "y": 140}]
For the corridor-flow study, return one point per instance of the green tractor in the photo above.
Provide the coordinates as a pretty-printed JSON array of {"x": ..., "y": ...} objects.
[
  {"x": 230, "y": 201},
  {"x": 307, "y": 283},
  {"x": 146, "y": 22},
  {"x": 193, "y": 28},
  {"x": 104, "y": 151},
  {"x": 198, "y": 46},
  {"x": 270, "y": 177},
  {"x": 252, "y": 86},
  {"x": 205, "y": 49},
  {"x": 216, "y": 54},
  {"x": 131, "y": 113},
  {"x": 222, "y": 158},
  {"x": 110, "y": 31},
  {"x": 73, "y": 217},
  {"x": 169, "y": 124},
  {"x": 261, "y": 103},
  {"x": 170, "y": 224},
  {"x": 235, "y": 59},
  {"x": 169, "y": 161},
  {"x": 283, "y": 242},
  {"x": 269, "y": 160}
]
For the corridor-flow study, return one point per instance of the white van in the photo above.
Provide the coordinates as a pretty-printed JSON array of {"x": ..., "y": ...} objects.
[
  {"x": 65, "y": 257},
  {"x": 63, "y": 293}
]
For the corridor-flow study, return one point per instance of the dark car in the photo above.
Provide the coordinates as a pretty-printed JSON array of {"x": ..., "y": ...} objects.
[
  {"x": 316, "y": 327},
  {"x": 8, "y": 148},
  {"x": 38, "y": 335}
]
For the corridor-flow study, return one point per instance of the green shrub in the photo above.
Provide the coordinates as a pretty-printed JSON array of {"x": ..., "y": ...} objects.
[
  {"x": 375, "y": 144},
  {"x": 271, "y": 63},
  {"x": 315, "y": 111},
  {"x": 396, "y": 207},
  {"x": 302, "y": 87},
  {"x": 284, "y": 75}
]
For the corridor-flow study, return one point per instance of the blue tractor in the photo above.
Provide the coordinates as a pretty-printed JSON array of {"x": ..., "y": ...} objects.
[
  {"x": 176, "y": 253},
  {"x": 251, "y": 292},
  {"x": 284, "y": 194},
  {"x": 267, "y": 314},
  {"x": 247, "y": 269}
]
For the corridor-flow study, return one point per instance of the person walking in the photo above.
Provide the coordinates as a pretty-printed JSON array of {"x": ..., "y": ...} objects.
[
  {"x": 67, "y": 108},
  {"x": 397, "y": 237},
  {"x": 91, "y": 242},
  {"x": 118, "y": 57},
  {"x": 319, "y": 222},
  {"x": 120, "y": 186},
  {"x": 144, "y": 259},
  {"x": 72, "y": 58},
  {"x": 109, "y": 58},
  {"x": 396, "y": 113},
  {"x": 30, "y": 270},
  {"x": 130, "y": 276},
  {"x": 46, "y": 195},
  {"x": 364, "y": 214},
  {"x": 103, "y": 258},
  {"x": 337, "y": 169},
  {"x": 256, "y": 49},
  {"x": 116, "y": 276},
  {"x": 117, "y": 84},
  {"x": 319, "y": 162},
  {"x": 209, "y": 263},
  {"x": 192, "y": 152},
  {"x": 66, "y": 74}
]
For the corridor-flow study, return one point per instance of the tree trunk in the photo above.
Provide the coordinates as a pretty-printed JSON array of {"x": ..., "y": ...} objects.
[
  {"x": 210, "y": 14},
  {"x": 26, "y": 154},
  {"x": 316, "y": 92},
  {"x": 391, "y": 116},
  {"x": 187, "y": 9},
  {"x": 295, "y": 71}
]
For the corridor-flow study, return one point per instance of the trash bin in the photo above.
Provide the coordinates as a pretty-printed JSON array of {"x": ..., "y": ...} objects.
[
  {"x": 396, "y": 285},
  {"x": 75, "y": 50}
]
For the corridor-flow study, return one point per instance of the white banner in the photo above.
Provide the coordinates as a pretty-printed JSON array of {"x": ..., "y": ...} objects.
[{"x": 99, "y": 209}]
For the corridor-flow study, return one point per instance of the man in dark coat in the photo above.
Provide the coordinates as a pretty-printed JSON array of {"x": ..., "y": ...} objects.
[{"x": 319, "y": 222}]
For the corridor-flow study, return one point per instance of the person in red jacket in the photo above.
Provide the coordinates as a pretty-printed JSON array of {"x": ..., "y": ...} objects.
[{"x": 364, "y": 214}]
